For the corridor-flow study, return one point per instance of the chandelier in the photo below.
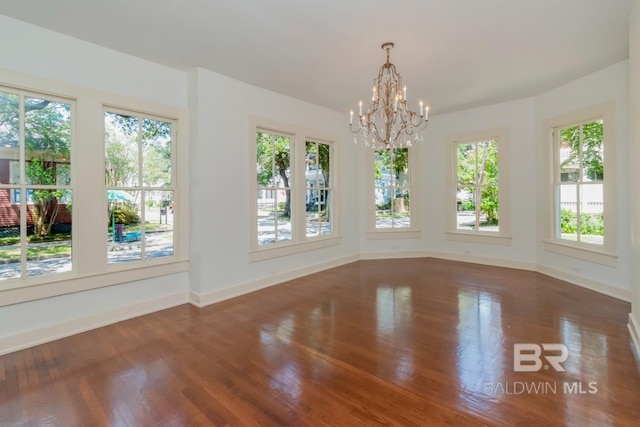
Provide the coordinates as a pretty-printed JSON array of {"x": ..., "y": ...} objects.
[{"x": 387, "y": 123}]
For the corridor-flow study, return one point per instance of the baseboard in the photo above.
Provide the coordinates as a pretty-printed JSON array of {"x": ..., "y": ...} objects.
[
  {"x": 634, "y": 330},
  {"x": 201, "y": 300},
  {"x": 603, "y": 288},
  {"x": 67, "y": 328},
  {"x": 594, "y": 285},
  {"x": 495, "y": 262}
]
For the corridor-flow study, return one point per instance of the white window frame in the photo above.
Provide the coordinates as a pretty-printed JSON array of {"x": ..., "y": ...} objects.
[
  {"x": 604, "y": 254},
  {"x": 140, "y": 187},
  {"x": 503, "y": 236},
  {"x": 89, "y": 268},
  {"x": 413, "y": 231},
  {"x": 299, "y": 242},
  {"x": 26, "y": 188}
]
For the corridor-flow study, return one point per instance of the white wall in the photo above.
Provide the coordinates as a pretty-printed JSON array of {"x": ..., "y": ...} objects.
[
  {"x": 220, "y": 108},
  {"x": 610, "y": 84},
  {"x": 39, "y": 59},
  {"x": 634, "y": 172}
]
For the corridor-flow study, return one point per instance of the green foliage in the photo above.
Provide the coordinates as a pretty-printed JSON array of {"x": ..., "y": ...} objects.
[
  {"x": 590, "y": 224},
  {"x": 125, "y": 215},
  {"x": 396, "y": 161},
  {"x": 568, "y": 223}
]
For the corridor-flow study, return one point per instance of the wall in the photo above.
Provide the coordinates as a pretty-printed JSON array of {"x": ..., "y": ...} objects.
[
  {"x": 634, "y": 160},
  {"x": 607, "y": 85},
  {"x": 220, "y": 108},
  {"x": 39, "y": 59}
]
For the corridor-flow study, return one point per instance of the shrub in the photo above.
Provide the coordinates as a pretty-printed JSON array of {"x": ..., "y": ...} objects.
[{"x": 125, "y": 215}]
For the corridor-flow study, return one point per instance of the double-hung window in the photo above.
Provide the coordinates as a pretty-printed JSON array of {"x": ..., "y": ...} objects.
[
  {"x": 392, "y": 189},
  {"x": 580, "y": 218},
  {"x": 293, "y": 191},
  {"x": 140, "y": 189},
  {"x": 478, "y": 189},
  {"x": 35, "y": 184}
]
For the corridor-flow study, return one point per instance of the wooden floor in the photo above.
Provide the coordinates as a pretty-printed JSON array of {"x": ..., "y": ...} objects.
[{"x": 393, "y": 342}]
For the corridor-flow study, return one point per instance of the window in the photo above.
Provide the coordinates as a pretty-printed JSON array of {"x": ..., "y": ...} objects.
[
  {"x": 294, "y": 192},
  {"x": 35, "y": 160},
  {"x": 477, "y": 202},
  {"x": 140, "y": 186},
  {"x": 579, "y": 215},
  {"x": 392, "y": 187},
  {"x": 478, "y": 190}
]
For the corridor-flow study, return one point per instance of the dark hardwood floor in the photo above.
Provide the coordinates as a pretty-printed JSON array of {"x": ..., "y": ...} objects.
[{"x": 391, "y": 342}]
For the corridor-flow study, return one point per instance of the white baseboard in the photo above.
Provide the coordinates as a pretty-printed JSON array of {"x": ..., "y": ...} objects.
[
  {"x": 67, "y": 328},
  {"x": 634, "y": 330},
  {"x": 594, "y": 285},
  {"x": 201, "y": 300}
]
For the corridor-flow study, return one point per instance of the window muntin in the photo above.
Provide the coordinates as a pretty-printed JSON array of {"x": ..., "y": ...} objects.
[
  {"x": 318, "y": 190},
  {"x": 35, "y": 151},
  {"x": 140, "y": 186},
  {"x": 477, "y": 191},
  {"x": 579, "y": 182},
  {"x": 392, "y": 189}
]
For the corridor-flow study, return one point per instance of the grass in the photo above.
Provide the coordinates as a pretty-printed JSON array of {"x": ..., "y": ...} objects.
[{"x": 37, "y": 251}]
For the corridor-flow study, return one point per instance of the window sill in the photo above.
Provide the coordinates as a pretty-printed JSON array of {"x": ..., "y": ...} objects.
[
  {"x": 490, "y": 239},
  {"x": 586, "y": 254},
  {"x": 292, "y": 248},
  {"x": 26, "y": 290},
  {"x": 390, "y": 233}
]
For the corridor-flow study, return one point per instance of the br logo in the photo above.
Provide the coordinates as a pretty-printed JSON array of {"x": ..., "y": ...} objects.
[{"x": 528, "y": 357}]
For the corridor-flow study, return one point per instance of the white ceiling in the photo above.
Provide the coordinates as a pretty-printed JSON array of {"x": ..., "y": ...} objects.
[{"x": 453, "y": 54}]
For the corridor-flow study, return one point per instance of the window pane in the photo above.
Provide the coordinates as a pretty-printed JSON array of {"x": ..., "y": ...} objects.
[
  {"x": 49, "y": 243},
  {"x": 325, "y": 212},
  {"x": 592, "y": 152},
  {"x": 158, "y": 224},
  {"x": 9, "y": 137},
  {"x": 9, "y": 238},
  {"x": 47, "y": 139},
  {"x": 121, "y": 150},
  {"x": 401, "y": 217},
  {"x": 156, "y": 149},
  {"x": 266, "y": 217},
  {"x": 466, "y": 208},
  {"x": 489, "y": 209},
  {"x": 569, "y": 154},
  {"x": 488, "y": 162},
  {"x": 283, "y": 215},
  {"x": 124, "y": 227},
  {"x": 591, "y": 214},
  {"x": 466, "y": 163},
  {"x": 568, "y": 211}
]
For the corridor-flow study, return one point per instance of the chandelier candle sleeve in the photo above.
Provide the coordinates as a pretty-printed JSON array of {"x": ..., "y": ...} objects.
[{"x": 387, "y": 122}]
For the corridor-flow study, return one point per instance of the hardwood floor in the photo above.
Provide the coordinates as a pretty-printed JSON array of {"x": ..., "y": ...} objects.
[{"x": 391, "y": 342}]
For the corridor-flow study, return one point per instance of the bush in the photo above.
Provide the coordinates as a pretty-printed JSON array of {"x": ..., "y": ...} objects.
[
  {"x": 125, "y": 215},
  {"x": 590, "y": 224},
  {"x": 568, "y": 221}
]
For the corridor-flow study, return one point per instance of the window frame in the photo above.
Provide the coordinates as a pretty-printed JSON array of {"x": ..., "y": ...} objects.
[
  {"x": 414, "y": 230},
  {"x": 452, "y": 233},
  {"x": 142, "y": 188},
  {"x": 604, "y": 254},
  {"x": 25, "y": 204},
  {"x": 90, "y": 270},
  {"x": 300, "y": 242}
]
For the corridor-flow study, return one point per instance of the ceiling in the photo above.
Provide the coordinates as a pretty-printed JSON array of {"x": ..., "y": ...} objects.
[{"x": 453, "y": 54}]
